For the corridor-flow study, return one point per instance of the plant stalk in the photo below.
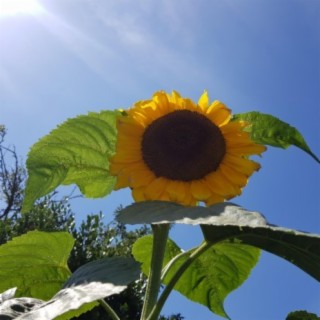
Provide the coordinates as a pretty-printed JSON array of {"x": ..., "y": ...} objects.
[
  {"x": 155, "y": 312},
  {"x": 109, "y": 310},
  {"x": 160, "y": 236}
]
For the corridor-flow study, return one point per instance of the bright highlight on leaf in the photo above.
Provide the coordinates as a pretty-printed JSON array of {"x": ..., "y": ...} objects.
[
  {"x": 228, "y": 221},
  {"x": 91, "y": 282}
]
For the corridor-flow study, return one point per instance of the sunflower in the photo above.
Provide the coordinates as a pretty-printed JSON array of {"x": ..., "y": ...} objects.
[{"x": 172, "y": 149}]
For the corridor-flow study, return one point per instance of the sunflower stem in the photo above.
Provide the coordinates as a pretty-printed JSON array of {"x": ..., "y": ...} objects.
[
  {"x": 160, "y": 236},
  {"x": 108, "y": 309},
  {"x": 155, "y": 312}
]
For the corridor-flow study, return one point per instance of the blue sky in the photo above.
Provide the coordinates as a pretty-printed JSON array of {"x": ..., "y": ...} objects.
[{"x": 69, "y": 57}]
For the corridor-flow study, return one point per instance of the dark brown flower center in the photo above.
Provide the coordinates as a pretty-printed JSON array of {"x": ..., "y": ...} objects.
[{"x": 183, "y": 145}]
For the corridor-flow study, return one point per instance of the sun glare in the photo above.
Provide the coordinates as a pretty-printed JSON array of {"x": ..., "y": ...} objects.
[{"x": 18, "y": 7}]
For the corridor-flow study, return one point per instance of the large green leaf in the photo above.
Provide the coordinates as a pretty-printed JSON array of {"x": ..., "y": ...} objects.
[
  {"x": 93, "y": 281},
  {"x": 228, "y": 221},
  {"x": 77, "y": 152},
  {"x": 141, "y": 251},
  {"x": 35, "y": 263},
  {"x": 211, "y": 277},
  {"x": 155, "y": 212},
  {"x": 267, "y": 129},
  {"x": 301, "y": 249},
  {"x": 116, "y": 271}
]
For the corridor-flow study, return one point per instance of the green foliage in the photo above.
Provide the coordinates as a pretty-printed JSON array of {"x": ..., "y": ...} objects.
[
  {"x": 36, "y": 263},
  {"x": 211, "y": 277},
  {"x": 86, "y": 308},
  {"x": 267, "y": 129},
  {"x": 49, "y": 214},
  {"x": 301, "y": 249},
  {"x": 89, "y": 283},
  {"x": 228, "y": 221},
  {"x": 77, "y": 152},
  {"x": 160, "y": 212},
  {"x": 94, "y": 240},
  {"x": 119, "y": 271},
  {"x": 141, "y": 251},
  {"x": 302, "y": 315}
]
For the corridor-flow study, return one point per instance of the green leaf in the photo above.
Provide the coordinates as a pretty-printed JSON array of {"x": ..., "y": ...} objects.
[
  {"x": 141, "y": 251},
  {"x": 116, "y": 271},
  {"x": 93, "y": 281},
  {"x": 149, "y": 212},
  {"x": 301, "y": 249},
  {"x": 228, "y": 221},
  {"x": 78, "y": 312},
  {"x": 35, "y": 263},
  {"x": 211, "y": 277},
  {"x": 77, "y": 152},
  {"x": 302, "y": 315},
  {"x": 267, "y": 129}
]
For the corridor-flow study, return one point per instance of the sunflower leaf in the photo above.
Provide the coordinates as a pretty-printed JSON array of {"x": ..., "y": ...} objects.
[
  {"x": 299, "y": 248},
  {"x": 141, "y": 251},
  {"x": 76, "y": 152},
  {"x": 35, "y": 263},
  {"x": 149, "y": 212},
  {"x": 93, "y": 281},
  {"x": 211, "y": 277},
  {"x": 267, "y": 129},
  {"x": 228, "y": 221}
]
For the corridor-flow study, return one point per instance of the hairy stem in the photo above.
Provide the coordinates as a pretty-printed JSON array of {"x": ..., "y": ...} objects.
[
  {"x": 193, "y": 256},
  {"x": 109, "y": 310},
  {"x": 160, "y": 236}
]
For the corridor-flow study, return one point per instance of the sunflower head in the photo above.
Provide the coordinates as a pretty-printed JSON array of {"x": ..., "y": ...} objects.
[{"x": 170, "y": 148}]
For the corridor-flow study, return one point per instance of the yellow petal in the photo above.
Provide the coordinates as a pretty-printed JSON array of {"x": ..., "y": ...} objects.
[
  {"x": 203, "y": 101},
  {"x": 177, "y": 190},
  {"x": 218, "y": 113},
  {"x": 155, "y": 189},
  {"x": 233, "y": 127},
  {"x": 247, "y": 149},
  {"x": 234, "y": 176},
  {"x": 220, "y": 185},
  {"x": 162, "y": 102},
  {"x": 141, "y": 177},
  {"x": 138, "y": 194},
  {"x": 131, "y": 154},
  {"x": 122, "y": 182},
  {"x": 130, "y": 128},
  {"x": 241, "y": 164},
  {"x": 214, "y": 198},
  {"x": 200, "y": 190}
]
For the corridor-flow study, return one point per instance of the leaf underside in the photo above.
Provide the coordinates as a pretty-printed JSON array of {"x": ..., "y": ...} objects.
[
  {"x": 228, "y": 221},
  {"x": 91, "y": 282}
]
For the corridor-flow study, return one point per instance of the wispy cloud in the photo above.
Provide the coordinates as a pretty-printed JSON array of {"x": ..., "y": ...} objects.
[{"x": 125, "y": 39}]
